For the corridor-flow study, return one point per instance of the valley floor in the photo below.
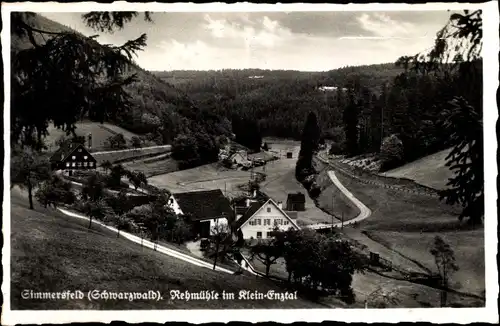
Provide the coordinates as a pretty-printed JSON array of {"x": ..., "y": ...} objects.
[{"x": 280, "y": 181}]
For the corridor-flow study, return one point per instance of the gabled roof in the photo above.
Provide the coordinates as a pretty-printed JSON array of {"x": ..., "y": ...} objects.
[
  {"x": 66, "y": 150},
  {"x": 292, "y": 214},
  {"x": 205, "y": 204},
  {"x": 255, "y": 208},
  {"x": 261, "y": 156},
  {"x": 297, "y": 198}
]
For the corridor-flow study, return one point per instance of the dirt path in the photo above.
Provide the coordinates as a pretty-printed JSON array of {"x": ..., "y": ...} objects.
[{"x": 149, "y": 244}]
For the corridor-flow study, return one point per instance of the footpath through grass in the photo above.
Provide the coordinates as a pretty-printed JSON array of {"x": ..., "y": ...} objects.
[{"x": 52, "y": 252}]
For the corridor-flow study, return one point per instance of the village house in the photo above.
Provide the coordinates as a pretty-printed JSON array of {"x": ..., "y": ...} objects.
[
  {"x": 205, "y": 209},
  {"x": 260, "y": 218},
  {"x": 71, "y": 156},
  {"x": 296, "y": 202},
  {"x": 239, "y": 158}
]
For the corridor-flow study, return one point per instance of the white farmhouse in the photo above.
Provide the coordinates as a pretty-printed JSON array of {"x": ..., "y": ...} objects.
[{"x": 259, "y": 220}]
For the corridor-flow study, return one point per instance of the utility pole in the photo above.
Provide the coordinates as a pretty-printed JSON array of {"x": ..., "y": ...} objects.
[{"x": 332, "y": 213}]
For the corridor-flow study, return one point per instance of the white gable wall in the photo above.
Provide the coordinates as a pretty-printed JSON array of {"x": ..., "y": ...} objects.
[
  {"x": 172, "y": 203},
  {"x": 264, "y": 221}
]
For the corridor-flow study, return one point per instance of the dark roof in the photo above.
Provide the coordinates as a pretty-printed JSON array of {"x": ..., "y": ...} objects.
[
  {"x": 254, "y": 207},
  {"x": 296, "y": 198},
  {"x": 205, "y": 204},
  {"x": 65, "y": 150},
  {"x": 292, "y": 214}
]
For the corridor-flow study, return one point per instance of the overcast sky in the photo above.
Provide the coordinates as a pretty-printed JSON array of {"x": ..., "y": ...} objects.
[{"x": 309, "y": 41}]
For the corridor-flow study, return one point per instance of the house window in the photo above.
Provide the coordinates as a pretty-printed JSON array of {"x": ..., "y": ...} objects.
[
  {"x": 67, "y": 164},
  {"x": 85, "y": 163},
  {"x": 269, "y": 209},
  {"x": 91, "y": 163},
  {"x": 268, "y": 234},
  {"x": 80, "y": 150},
  {"x": 74, "y": 164},
  {"x": 258, "y": 221},
  {"x": 267, "y": 221},
  {"x": 73, "y": 157},
  {"x": 79, "y": 164},
  {"x": 259, "y": 235},
  {"x": 285, "y": 222},
  {"x": 85, "y": 157}
]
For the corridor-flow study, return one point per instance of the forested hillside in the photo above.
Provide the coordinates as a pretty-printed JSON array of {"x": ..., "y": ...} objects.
[
  {"x": 279, "y": 100},
  {"x": 362, "y": 106}
]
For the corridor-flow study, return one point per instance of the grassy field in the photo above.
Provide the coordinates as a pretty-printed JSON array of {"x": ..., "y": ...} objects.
[
  {"x": 429, "y": 171},
  {"x": 406, "y": 223},
  {"x": 53, "y": 252},
  {"x": 279, "y": 183},
  {"x": 137, "y": 154},
  {"x": 152, "y": 167},
  {"x": 100, "y": 133}
]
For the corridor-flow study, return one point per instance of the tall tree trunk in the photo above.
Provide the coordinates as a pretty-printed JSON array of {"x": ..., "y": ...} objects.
[
  {"x": 216, "y": 253},
  {"x": 30, "y": 193}
]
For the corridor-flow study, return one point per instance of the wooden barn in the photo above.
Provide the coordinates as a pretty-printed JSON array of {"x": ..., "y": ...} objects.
[{"x": 296, "y": 202}]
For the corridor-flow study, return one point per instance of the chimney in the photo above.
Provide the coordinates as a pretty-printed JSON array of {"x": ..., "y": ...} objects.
[
  {"x": 280, "y": 205},
  {"x": 248, "y": 202}
]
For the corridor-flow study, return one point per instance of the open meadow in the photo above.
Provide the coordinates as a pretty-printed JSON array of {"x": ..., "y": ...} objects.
[
  {"x": 406, "y": 223},
  {"x": 280, "y": 180},
  {"x": 100, "y": 133}
]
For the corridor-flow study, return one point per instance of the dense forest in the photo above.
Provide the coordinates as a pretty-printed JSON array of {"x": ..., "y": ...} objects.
[{"x": 362, "y": 106}]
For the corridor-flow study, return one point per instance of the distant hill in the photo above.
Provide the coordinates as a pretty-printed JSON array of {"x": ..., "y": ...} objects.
[
  {"x": 150, "y": 94},
  {"x": 372, "y": 76}
]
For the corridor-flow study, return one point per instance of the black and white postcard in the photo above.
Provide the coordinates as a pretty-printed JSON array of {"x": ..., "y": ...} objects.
[{"x": 273, "y": 162}]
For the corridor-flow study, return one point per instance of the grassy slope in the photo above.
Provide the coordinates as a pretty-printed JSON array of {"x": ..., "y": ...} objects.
[
  {"x": 99, "y": 134},
  {"x": 429, "y": 171},
  {"x": 53, "y": 252},
  {"x": 409, "y": 222}
]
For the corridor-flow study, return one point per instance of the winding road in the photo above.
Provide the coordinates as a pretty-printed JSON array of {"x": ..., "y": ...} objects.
[{"x": 364, "y": 211}]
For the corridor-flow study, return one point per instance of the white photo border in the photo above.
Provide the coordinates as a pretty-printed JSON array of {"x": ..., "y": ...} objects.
[{"x": 436, "y": 315}]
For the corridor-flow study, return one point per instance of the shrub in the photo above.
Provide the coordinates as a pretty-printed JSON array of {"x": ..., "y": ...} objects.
[
  {"x": 336, "y": 149},
  {"x": 314, "y": 191},
  {"x": 391, "y": 152}
]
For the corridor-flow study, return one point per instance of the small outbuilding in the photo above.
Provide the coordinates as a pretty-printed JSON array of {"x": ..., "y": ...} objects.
[{"x": 296, "y": 202}]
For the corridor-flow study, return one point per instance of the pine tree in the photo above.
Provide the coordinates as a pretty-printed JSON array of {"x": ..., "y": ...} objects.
[
  {"x": 350, "y": 119},
  {"x": 67, "y": 76},
  {"x": 309, "y": 144}
]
